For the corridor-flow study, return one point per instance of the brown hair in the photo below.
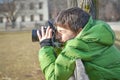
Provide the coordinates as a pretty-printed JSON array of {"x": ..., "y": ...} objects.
[{"x": 73, "y": 19}]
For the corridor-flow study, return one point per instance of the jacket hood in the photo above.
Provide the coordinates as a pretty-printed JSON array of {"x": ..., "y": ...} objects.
[{"x": 97, "y": 31}]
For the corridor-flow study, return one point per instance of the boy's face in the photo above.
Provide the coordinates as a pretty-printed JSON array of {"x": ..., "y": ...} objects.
[{"x": 64, "y": 34}]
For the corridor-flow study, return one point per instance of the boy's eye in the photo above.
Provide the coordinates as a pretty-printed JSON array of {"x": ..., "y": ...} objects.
[{"x": 61, "y": 31}]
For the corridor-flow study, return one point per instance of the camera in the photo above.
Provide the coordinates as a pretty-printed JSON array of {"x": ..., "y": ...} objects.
[{"x": 54, "y": 40}]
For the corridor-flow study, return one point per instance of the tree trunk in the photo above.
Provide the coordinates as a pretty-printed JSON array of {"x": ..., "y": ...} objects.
[
  {"x": 87, "y": 5},
  {"x": 72, "y": 3}
]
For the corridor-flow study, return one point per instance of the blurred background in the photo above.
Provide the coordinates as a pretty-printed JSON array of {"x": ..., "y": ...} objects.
[{"x": 18, "y": 54}]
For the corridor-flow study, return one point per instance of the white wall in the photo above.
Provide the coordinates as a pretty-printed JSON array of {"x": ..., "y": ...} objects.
[{"x": 27, "y": 12}]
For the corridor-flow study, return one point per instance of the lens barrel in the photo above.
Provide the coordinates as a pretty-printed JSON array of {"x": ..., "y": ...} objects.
[{"x": 34, "y": 35}]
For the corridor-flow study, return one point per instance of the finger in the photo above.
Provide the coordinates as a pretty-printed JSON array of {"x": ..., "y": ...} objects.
[
  {"x": 47, "y": 31},
  {"x": 50, "y": 33},
  {"x": 42, "y": 31},
  {"x": 38, "y": 34}
]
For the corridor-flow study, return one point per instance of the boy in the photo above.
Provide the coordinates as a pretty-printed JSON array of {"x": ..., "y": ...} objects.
[{"x": 91, "y": 41}]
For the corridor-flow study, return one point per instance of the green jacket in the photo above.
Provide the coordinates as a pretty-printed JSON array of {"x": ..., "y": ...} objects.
[{"x": 94, "y": 45}]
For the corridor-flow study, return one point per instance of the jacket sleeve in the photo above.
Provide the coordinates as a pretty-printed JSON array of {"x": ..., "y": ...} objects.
[{"x": 60, "y": 68}]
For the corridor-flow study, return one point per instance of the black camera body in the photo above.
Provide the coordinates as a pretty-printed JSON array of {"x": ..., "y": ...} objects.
[{"x": 54, "y": 40}]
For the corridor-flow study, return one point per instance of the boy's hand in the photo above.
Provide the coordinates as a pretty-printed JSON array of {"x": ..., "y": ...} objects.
[{"x": 44, "y": 35}]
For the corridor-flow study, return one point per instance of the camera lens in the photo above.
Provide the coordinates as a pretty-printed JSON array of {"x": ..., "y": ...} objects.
[{"x": 34, "y": 35}]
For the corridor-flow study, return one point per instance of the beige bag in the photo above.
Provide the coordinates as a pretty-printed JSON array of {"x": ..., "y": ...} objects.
[{"x": 79, "y": 72}]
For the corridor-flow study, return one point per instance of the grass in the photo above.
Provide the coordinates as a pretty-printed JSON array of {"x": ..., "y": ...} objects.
[{"x": 19, "y": 56}]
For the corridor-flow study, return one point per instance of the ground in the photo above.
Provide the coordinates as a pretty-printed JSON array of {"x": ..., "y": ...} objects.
[{"x": 19, "y": 56}]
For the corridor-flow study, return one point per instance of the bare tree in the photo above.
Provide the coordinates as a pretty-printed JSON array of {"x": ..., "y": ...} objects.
[{"x": 9, "y": 10}]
